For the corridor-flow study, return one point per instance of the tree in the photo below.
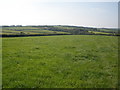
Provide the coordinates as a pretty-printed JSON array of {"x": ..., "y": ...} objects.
[{"x": 22, "y": 33}]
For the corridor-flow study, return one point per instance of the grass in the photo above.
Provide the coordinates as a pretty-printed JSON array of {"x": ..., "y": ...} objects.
[
  {"x": 99, "y": 32},
  {"x": 1, "y": 63},
  {"x": 28, "y": 30},
  {"x": 73, "y": 61},
  {"x": 13, "y": 32}
]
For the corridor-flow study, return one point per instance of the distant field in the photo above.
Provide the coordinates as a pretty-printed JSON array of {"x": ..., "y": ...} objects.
[
  {"x": 27, "y": 30},
  {"x": 73, "y": 61},
  {"x": 15, "y": 31}
]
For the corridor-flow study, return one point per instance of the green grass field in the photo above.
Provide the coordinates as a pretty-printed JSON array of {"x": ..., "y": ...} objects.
[
  {"x": 8, "y": 31},
  {"x": 67, "y": 61},
  {"x": 28, "y": 30}
]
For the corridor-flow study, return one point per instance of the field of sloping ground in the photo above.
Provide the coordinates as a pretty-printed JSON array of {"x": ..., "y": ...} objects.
[
  {"x": 73, "y": 61},
  {"x": 14, "y": 31},
  {"x": 28, "y": 31}
]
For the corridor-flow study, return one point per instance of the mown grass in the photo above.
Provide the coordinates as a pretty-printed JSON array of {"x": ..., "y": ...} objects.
[{"x": 73, "y": 61}]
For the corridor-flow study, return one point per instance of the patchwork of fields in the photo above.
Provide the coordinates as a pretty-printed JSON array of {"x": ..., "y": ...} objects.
[
  {"x": 26, "y": 30},
  {"x": 18, "y": 31},
  {"x": 67, "y": 61}
]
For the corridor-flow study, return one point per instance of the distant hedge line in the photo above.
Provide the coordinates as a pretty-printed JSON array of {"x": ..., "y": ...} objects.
[{"x": 6, "y": 35}]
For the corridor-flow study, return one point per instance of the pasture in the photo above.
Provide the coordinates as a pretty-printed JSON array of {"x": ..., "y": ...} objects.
[
  {"x": 13, "y": 31},
  {"x": 66, "y": 61},
  {"x": 25, "y": 30}
]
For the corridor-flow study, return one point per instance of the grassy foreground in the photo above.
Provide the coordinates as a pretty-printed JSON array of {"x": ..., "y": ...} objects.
[{"x": 74, "y": 61}]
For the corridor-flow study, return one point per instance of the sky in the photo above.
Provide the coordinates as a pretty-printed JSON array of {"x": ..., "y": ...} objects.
[{"x": 88, "y": 13}]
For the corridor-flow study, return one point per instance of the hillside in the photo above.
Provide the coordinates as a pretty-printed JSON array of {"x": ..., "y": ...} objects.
[{"x": 45, "y": 30}]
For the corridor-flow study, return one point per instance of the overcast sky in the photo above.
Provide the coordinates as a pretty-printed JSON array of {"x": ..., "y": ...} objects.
[{"x": 91, "y": 13}]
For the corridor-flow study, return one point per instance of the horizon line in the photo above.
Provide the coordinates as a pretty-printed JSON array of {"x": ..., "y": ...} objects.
[{"x": 58, "y": 25}]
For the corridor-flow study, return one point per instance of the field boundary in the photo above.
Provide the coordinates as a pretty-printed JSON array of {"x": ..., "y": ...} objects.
[{"x": 53, "y": 35}]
